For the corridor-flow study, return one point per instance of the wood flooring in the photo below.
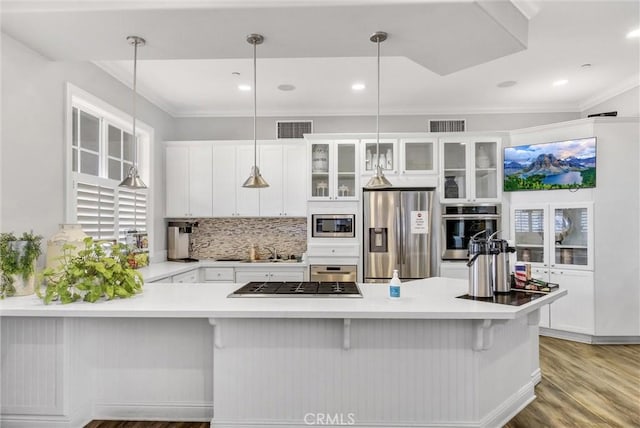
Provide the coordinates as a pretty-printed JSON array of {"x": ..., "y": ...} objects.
[{"x": 582, "y": 386}]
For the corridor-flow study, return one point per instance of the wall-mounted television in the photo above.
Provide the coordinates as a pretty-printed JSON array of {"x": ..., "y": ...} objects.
[{"x": 567, "y": 164}]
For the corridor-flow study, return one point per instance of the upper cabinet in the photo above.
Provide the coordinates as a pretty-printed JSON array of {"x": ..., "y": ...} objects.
[
  {"x": 188, "y": 180},
  {"x": 470, "y": 170},
  {"x": 554, "y": 235},
  {"x": 284, "y": 167},
  {"x": 399, "y": 157},
  {"x": 232, "y": 162},
  {"x": 333, "y": 165}
]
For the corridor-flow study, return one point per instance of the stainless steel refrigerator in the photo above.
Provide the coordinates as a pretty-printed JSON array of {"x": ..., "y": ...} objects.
[{"x": 397, "y": 233}]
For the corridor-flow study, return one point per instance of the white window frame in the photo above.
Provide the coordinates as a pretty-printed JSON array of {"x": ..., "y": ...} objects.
[{"x": 76, "y": 97}]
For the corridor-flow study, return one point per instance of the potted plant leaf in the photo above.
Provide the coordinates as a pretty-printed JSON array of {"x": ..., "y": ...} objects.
[
  {"x": 97, "y": 271},
  {"x": 18, "y": 258}
]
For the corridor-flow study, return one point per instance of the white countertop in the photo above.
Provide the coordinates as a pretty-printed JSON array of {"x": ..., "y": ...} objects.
[
  {"x": 432, "y": 298},
  {"x": 157, "y": 271}
]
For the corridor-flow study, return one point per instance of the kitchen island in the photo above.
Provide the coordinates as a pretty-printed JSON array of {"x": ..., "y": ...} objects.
[{"x": 187, "y": 352}]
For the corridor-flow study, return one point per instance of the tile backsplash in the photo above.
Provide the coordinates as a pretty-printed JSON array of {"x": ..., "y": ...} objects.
[{"x": 232, "y": 237}]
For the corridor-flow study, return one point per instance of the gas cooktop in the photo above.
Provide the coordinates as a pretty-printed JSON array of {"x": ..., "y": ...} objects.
[{"x": 298, "y": 289}]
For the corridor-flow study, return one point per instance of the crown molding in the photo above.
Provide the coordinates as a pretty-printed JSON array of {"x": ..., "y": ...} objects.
[
  {"x": 125, "y": 77},
  {"x": 606, "y": 95}
]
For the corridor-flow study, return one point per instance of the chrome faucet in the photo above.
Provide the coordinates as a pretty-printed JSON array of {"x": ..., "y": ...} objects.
[{"x": 273, "y": 252}]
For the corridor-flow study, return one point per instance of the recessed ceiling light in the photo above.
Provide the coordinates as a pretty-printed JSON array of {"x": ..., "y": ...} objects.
[
  {"x": 286, "y": 87},
  {"x": 633, "y": 34},
  {"x": 560, "y": 82},
  {"x": 244, "y": 87},
  {"x": 358, "y": 86},
  {"x": 506, "y": 84}
]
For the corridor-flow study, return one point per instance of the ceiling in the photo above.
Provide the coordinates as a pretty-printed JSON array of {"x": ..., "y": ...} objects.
[{"x": 442, "y": 57}]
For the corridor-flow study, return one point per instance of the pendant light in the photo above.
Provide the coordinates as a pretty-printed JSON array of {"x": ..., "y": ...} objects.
[
  {"x": 255, "y": 180},
  {"x": 378, "y": 181},
  {"x": 132, "y": 180}
]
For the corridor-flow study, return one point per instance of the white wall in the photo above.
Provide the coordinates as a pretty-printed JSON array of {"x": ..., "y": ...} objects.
[
  {"x": 241, "y": 128},
  {"x": 627, "y": 104},
  {"x": 33, "y": 112}
]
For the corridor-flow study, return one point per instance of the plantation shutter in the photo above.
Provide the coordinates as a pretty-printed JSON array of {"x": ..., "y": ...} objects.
[
  {"x": 529, "y": 221},
  {"x": 95, "y": 210},
  {"x": 132, "y": 211}
]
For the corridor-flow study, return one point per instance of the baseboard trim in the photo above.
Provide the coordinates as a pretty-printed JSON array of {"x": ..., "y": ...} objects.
[
  {"x": 536, "y": 376},
  {"x": 497, "y": 417},
  {"x": 25, "y": 421},
  {"x": 183, "y": 411},
  {"x": 590, "y": 339}
]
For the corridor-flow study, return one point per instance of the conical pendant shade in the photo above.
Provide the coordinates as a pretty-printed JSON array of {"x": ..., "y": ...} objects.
[
  {"x": 255, "y": 180},
  {"x": 133, "y": 180},
  {"x": 378, "y": 181}
]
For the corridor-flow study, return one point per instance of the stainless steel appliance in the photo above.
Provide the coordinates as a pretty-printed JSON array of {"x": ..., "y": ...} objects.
[
  {"x": 461, "y": 222},
  {"x": 397, "y": 233},
  {"x": 333, "y": 225},
  {"x": 500, "y": 272},
  {"x": 179, "y": 241},
  {"x": 331, "y": 273},
  {"x": 480, "y": 261},
  {"x": 298, "y": 289}
]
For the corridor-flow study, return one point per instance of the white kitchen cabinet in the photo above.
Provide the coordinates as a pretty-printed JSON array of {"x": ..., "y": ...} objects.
[
  {"x": 575, "y": 311},
  {"x": 284, "y": 168},
  {"x": 470, "y": 170},
  {"x": 334, "y": 170},
  {"x": 218, "y": 274},
  {"x": 554, "y": 235},
  {"x": 387, "y": 157},
  {"x": 268, "y": 274},
  {"x": 557, "y": 240},
  {"x": 232, "y": 162},
  {"x": 189, "y": 184},
  {"x": 191, "y": 277},
  {"x": 418, "y": 156}
]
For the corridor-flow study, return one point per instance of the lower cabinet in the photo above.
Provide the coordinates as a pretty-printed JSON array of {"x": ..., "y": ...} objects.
[
  {"x": 190, "y": 277},
  {"x": 250, "y": 275},
  {"x": 217, "y": 274},
  {"x": 575, "y": 311}
]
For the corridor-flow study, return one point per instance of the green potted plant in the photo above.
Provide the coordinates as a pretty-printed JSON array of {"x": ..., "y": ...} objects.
[
  {"x": 18, "y": 258},
  {"x": 90, "y": 274}
]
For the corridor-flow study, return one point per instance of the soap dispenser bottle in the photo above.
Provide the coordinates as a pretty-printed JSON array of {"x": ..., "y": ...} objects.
[{"x": 394, "y": 286}]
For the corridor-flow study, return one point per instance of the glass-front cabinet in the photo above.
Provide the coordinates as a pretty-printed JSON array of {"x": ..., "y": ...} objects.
[
  {"x": 386, "y": 155},
  {"x": 418, "y": 156},
  {"x": 470, "y": 170},
  {"x": 554, "y": 235},
  {"x": 333, "y": 170}
]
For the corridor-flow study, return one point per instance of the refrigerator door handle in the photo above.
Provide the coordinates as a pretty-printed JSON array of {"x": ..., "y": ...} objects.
[
  {"x": 402, "y": 236},
  {"x": 398, "y": 223}
]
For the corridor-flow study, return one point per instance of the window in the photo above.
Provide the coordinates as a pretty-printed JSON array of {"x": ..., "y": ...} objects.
[{"x": 101, "y": 151}]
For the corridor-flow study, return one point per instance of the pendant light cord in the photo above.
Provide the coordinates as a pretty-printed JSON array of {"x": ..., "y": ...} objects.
[
  {"x": 378, "y": 110},
  {"x": 255, "y": 109},
  {"x": 135, "y": 73}
]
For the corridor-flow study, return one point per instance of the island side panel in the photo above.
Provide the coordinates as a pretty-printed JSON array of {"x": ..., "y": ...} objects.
[{"x": 396, "y": 372}]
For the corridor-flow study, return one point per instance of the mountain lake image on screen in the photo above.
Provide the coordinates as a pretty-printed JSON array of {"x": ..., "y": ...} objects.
[{"x": 567, "y": 164}]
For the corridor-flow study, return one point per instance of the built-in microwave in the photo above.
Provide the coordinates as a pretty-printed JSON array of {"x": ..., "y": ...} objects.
[{"x": 333, "y": 225}]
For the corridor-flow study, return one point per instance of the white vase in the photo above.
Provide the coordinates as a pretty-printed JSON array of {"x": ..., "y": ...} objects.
[
  {"x": 25, "y": 287},
  {"x": 68, "y": 234}
]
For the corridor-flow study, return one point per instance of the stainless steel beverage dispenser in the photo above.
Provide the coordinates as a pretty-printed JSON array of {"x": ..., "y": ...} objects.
[
  {"x": 500, "y": 263},
  {"x": 179, "y": 240},
  {"x": 480, "y": 263}
]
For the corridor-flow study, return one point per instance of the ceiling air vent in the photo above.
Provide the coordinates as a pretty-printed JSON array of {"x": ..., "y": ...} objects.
[
  {"x": 449, "y": 125},
  {"x": 292, "y": 129}
]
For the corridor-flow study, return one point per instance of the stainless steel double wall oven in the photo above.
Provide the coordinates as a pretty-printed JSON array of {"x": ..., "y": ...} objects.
[{"x": 461, "y": 222}]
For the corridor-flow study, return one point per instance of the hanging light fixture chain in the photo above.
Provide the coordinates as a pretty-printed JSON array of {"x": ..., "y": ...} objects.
[
  {"x": 378, "y": 104},
  {"x": 135, "y": 75}
]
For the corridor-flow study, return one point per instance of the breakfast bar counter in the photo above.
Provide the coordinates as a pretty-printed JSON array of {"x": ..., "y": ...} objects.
[{"x": 187, "y": 352}]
